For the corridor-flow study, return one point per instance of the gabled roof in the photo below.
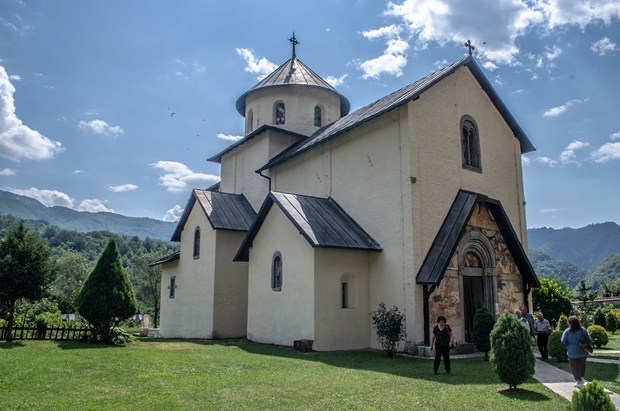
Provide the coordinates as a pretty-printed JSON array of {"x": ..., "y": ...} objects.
[
  {"x": 293, "y": 73},
  {"x": 321, "y": 221},
  {"x": 224, "y": 211},
  {"x": 449, "y": 235},
  {"x": 397, "y": 99},
  {"x": 218, "y": 157}
]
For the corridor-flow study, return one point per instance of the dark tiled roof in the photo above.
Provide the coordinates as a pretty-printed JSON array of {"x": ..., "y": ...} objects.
[
  {"x": 321, "y": 221},
  {"x": 218, "y": 157},
  {"x": 224, "y": 211},
  {"x": 168, "y": 259},
  {"x": 293, "y": 73},
  {"x": 444, "y": 245},
  {"x": 397, "y": 99}
]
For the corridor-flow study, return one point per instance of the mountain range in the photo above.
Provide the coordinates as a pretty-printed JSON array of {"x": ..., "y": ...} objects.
[{"x": 30, "y": 209}]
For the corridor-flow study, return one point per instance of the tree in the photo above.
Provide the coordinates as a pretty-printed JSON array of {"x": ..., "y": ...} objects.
[
  {"x": 610, "y": 289},
  {"x": 25, "y": 270},
  {"x": 584, "y": 295},
  {"x": 552, "y": 299},
  {"x": 599, "y": 317},
  {"x": 147, "y": 282},
  {"x": 483, "y": 325},
  {"x": 72, "y": 269},
  {"x": 512, "y": 355},
  {"x": 107, "y": 295},
  {"x": 611, "y": 322},
  {"x": 390, "y": 326}
]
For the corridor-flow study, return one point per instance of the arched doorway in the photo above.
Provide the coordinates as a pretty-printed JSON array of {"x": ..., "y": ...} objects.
[{"x": 477, "y": 279}]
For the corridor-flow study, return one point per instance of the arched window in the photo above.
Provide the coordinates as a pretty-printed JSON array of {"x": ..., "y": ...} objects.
[
  {"x": 249, "y": 119},
  {"x": 279, "y": 113},
  {"x": 470, "y": 144},
  {"x": 197, "y": 243},
  {"x": 276, "y": 272},
  {"x": 318, "y": 116}
]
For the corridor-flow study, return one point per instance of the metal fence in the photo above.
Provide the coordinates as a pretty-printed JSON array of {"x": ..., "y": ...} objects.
[{"x": 47, "y": 333}]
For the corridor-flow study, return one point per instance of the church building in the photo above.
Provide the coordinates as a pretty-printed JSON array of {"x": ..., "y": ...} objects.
[{"x": 415, "y": 200}]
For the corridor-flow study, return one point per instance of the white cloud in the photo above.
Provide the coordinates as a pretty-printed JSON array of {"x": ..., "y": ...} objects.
[
  {"x": 498, "y": 81},
  {"x": 262, "y": 66},
  {"x": 604, "y": 46},
  {"x": 181, "y": 62},
  {"x": 174, "y": 214},
  {"x": 525, "y": 161},
  {"x": 336, "y": 81},
  {"x": 178, "y": 177},
  {"x": 550, "y": 210},
  {"x": 228, "y": 137},
  {"x": 122, "y": 188},
  {"x": 547, "y": 161},
  {"x": 18, "y": 141},
  {"x": 386, "y": 63},
  {"x": 614, "y": 135},
  {"x": 568, "y": 155},
  {"x": 7, "y": 172},
  {"x": 94, "y": 206},
  {"x": 77, "y": 171},
  {"x": 48, "y": 198},
  {"x": 489, "y": 65},
  {"x": 390, "y": 32},
  {"x": 199, "y": 68},
  {"x": 553, "y": 52},
  {"x": 100, "y": 127},
  {"x": 498, "y": 23},
  {"x": 556, "y": 111},
  {"x": 15, "y": 77},
  {"x": 607, "y": 152},
  {"x": 580, "y": 13},
  {"x": 519, "y": 91}
]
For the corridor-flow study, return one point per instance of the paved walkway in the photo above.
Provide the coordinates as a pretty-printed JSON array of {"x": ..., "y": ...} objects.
[{"x": 562, "y": 382}]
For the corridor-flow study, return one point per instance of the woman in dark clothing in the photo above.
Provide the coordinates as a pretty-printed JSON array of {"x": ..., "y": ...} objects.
[{"x": 442, "y": 335}]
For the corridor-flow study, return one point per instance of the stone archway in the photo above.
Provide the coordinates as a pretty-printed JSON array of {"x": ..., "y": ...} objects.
[{"x": 477, "y": 279}]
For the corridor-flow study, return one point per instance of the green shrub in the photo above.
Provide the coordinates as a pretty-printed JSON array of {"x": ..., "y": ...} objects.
[
  {"x": 556, "y": 350},
  {"x": 562, "y": 323},
  {"x": 512, "y": 355},
  {"x": 592, "y": 397},
  {"x": 483, "y": 324},
  {"x": 611, "y": 322},
  {"x": 599, "y": 335},
  {"x": 390, "y": 326},
  {"x": 599, "y": 318}
]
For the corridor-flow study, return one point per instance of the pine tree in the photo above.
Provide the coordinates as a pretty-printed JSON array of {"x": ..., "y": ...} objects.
[
  {"x": 512, "y": 355},
  {"x": 483, "y": 325},
  {"x": 25, "y": 270},
  {"x": 107, "y": 295}
]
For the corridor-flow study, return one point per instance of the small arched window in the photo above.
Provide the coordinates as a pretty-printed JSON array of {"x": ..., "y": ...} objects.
[
  {"x": 279, "y": 113},
  {"x": 197, "y": 243},
  {"x": 318, "y": 116},
  {"x": 249, "y": 119},
  {"x": 276, "y": 272},
  {"x": 470, "y": 144}
]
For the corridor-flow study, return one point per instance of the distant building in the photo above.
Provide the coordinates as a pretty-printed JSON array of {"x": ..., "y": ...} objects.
[{"x": 415, "y": 200}]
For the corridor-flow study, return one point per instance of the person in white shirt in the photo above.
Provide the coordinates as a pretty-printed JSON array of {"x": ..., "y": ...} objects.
[{"x": 543, "y": 329}]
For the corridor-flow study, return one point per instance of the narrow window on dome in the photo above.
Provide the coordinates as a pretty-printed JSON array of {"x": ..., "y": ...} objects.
[
  {"x": 317, "y": 116},
  {"x": 279, "y": 113},
  {"x": 249, "y": 119}
]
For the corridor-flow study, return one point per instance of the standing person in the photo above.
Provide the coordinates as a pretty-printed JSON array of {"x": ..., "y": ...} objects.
[
  {"x": 529, "y": 319},
  {"x": 543, "y": 329},
  {"x": 571, "y": 339},
  {"x": 442, "y": 335}
]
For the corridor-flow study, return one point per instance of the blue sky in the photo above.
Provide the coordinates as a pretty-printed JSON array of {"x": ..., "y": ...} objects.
[{"x": 116, "y": 105}]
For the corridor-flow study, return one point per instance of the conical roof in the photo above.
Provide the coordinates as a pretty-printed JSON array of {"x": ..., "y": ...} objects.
[{"x": 293, "y": 73}]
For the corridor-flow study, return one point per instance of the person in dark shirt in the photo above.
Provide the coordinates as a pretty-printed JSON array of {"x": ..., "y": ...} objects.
[{"x": 442, "y": 336}]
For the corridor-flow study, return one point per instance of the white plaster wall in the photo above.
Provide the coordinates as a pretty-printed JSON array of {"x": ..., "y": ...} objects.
[
  {"x": 436, "y": 162},
  {"x": 338, "y": 328},
  {"x": 288, "y": 315},
  {"x": 231, "y": 287},
  {"x": 299, "y": 103},
  {"x": 180, "y": 316},
  {"x": 367, "y": 173},
  {"x": 239, "y": 165}
]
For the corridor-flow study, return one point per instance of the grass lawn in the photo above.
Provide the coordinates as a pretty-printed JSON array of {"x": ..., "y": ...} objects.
[
  {"x": 171, "y": 375},
  {"x": 606, "y": 374}
]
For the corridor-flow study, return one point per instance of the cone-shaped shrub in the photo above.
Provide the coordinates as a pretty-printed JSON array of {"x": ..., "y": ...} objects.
[
  {"x": 107, "y": 295},
  {"x": 512, "y": 355},
  {"x": 611, "y": 322},
  {"x": 483, "y": 324},
  {"x": 556, "y": 350},
  {"x": 592, "y": 397},
  {"x": 562, "y": 323}
]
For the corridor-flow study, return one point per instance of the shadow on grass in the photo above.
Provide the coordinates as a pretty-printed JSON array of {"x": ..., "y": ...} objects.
[
  {"x": 81, "y": 345},
  {"x": 10, "y": 345},
  {"x": 523, "y": 395}
]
